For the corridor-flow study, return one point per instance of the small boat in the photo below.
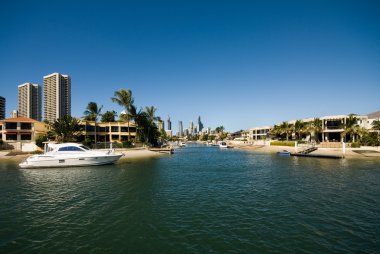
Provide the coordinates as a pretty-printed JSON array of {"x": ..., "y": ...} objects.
[
  {"x": 70, "y": 155},
  {"x": 223, "y": 145},
  {"x": 284, "y": 152},
  {"x": 180, "y": 144}
]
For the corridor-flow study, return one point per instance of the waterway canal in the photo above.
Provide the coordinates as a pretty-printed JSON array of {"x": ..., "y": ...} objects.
[{"x": 199, "y": 200}]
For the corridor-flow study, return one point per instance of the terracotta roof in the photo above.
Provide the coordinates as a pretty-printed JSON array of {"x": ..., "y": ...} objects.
[{"x": 20, "y": 120}]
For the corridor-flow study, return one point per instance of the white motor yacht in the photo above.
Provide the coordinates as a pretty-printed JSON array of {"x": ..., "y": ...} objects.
[{"x": 69, "y": 155}]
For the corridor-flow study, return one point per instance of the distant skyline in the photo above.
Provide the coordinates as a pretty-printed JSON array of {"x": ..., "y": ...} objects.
[{"x": 239, "y": 64}]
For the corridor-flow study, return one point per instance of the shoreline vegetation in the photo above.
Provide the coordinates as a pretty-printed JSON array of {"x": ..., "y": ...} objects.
[{"x": 350, "y": 152}]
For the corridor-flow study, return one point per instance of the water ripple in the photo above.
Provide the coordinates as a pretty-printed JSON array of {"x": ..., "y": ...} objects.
[{"x": 196, "y": 201}]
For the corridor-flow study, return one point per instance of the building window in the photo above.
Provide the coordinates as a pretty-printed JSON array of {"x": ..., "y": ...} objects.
[
  {"x": 114, "y": 128},
  {"x": 115, "y": 137},
  {"x": 11, "y": 136},
  {"x": 11, "y": 126},
  {"x": 26, "y": 136},
  {"x": 26, "y": 126}
]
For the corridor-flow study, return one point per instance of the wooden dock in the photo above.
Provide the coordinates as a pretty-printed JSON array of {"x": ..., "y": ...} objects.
[
  {"x": 167, "y": 150},
  {"x": 328, "y": 156}
]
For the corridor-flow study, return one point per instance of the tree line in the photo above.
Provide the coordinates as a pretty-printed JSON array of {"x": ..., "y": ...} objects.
[
  {"x": 351, "y": 129},
  {"x": 67, "y": 128}
]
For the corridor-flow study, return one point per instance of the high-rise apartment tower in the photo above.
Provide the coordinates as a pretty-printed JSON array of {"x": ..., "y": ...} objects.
[
  {"x": 169, "y": 127},
  {"x": 2, "y": 107},
  {"x": 180, "y": 129},
  {"x": 57, "y": 96},
  {"x": 29, "y": 101}
]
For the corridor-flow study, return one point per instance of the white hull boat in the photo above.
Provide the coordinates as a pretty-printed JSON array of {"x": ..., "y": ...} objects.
[{"x": 70, "y": 155}]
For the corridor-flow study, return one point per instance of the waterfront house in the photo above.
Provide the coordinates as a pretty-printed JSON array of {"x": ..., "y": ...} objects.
[
  {"x": 20, "y": 133},
  {"x": 108, "y": 131}
]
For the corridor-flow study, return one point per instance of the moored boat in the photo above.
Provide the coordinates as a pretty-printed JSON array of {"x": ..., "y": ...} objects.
[
  {"x": 69, "y": 155},
  {"x": 284, "y": 152}
]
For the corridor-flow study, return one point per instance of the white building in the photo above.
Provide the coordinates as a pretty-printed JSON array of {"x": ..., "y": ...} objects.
[
  {"x": 57, "y": 96},
  {"x": 29, "y": 101}
]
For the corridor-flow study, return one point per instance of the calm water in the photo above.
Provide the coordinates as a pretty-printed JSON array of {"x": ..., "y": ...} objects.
[{"x": 199, "y": 200}]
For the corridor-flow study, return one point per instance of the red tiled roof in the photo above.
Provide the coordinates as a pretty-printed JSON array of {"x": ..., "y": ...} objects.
[{"x": 20, "y": 120}]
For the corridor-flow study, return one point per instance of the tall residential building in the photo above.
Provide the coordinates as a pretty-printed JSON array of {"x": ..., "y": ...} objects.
[
  {"x": 57, "y": 96},
  {"x": 29, "y": 101},
  {"x": 2, "y": 107},
  {"x": 180, "y": 129},
  {"x": 169, "y": 124},
  {"x": 200, "y": 124},
  {"x": 191, "y": 128}
]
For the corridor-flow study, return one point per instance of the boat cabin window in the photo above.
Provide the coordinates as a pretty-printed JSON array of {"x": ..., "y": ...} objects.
[
  {"x": 85, "y": 147},
  {"x": 70, "y": 148}
]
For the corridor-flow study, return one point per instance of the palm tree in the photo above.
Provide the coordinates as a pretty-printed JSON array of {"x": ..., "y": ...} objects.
[
  {"x": 314, "y": 128},
  {"x": 299, "y": 127},
  {"x": 151, "y": 111},
  {"x": 125, "y": 99},
  {"x": 108, "y": 116},
  {"x": 92, "y": 112},
  {"x": 150, "y": 114},
  {"x": 219, "y": 129},
  {"x": 65, "y": 129},
  {"x": 351, "y": 127},
  {"x": 287, "y": 129}
]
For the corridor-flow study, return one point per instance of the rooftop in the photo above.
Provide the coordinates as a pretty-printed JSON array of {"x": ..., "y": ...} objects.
[{"x": 20, "y": 120}]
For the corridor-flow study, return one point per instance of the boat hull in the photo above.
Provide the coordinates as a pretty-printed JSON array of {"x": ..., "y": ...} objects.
[{"x": 43, "y": 161}]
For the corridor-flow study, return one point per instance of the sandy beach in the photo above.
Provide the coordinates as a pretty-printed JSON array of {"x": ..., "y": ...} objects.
[
  {"x": 350, "y": 152},
  {"x": 128, "y": 154}
]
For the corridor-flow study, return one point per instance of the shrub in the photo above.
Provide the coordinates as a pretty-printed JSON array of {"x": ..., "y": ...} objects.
[
  {"x": 87, "y": 142},
  {"x": 355, "y": 145},
  {"x": 126, "y": 144},
  {"x": 40, "y": 140},
  {"x": 282, "y": 143}
]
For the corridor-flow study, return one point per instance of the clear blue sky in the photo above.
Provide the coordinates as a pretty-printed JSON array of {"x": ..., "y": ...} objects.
[{"x": 236, "y": 63}]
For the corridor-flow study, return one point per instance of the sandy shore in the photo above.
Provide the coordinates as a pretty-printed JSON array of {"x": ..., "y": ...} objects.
[
  {"x": 350, "y": 152},
  {"x": 128, "y": 154}
]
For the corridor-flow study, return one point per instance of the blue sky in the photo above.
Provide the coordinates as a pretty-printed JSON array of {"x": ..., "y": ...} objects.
[{"x": 238, "y": 64}]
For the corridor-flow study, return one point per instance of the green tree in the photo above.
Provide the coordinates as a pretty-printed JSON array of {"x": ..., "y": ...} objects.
[
  {"x": 299, "y": 127},
  {"x": 351, "y": 127},
  {"x": 286, "y": 129},
  {"x": 125, "y": 99},
  {"x": 65, "y": 129},
  {"x": 219, "y": 129},
  {"x": 376, "y": 125},
  {"x": 108, "y": 116},
  {"x": 151, "y": 117},
  {"x": 92, "y": 113}
]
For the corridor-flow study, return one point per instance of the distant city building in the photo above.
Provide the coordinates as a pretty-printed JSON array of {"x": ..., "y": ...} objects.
[
  {"x": 57, "y": 96},
  {"x": 2, "y": 107},
  {"x": 29, "y": 101},
  {"x": 14, "y": 113},
  {"x": 169, "y": 124},
  {"x": 200, "y": 124},
  {"x": 180, "y": 129},
  {"x": 169, "y": 133},
  {"x": 191, "y": 128}
]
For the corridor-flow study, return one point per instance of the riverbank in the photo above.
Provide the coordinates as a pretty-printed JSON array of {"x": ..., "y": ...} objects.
[
  {"x": 128, "y": 154},
  {"x": 350, "y": 152}
]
